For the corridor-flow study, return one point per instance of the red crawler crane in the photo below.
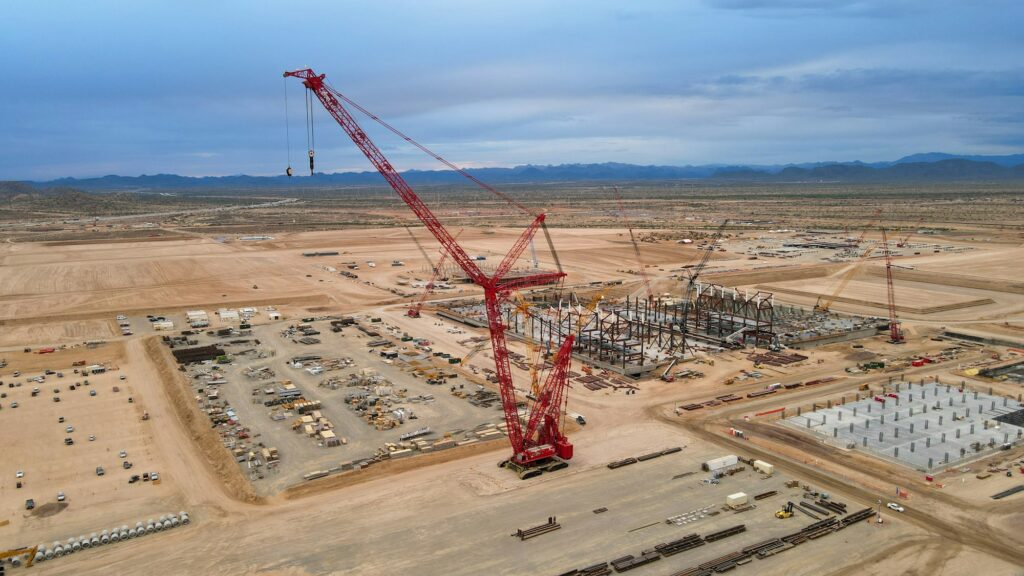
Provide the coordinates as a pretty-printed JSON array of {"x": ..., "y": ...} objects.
[
  {"x": 903, "y": 241},
  {"x": 414, "y": 311},
  {"x": 895, "y": 334},
  {"x": 541, "y": 446}
]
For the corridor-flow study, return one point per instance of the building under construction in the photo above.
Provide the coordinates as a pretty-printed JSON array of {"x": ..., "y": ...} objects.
[{"x": 631, "y": 335}]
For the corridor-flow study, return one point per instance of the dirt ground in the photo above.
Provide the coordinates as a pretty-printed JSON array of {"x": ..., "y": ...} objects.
[{"x": 448, "y": 512}]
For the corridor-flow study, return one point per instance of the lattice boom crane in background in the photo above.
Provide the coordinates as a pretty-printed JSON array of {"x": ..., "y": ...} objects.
[{"x": 541, "y": 445}]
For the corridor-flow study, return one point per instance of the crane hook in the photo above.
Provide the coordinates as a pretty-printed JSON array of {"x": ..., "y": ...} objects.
[
  {"x": 289, "y": 171},
  {"x": 311, "y": 162}
]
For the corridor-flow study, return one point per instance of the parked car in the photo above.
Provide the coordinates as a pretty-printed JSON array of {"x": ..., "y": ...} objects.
[
  {"x": 123, "y": 454},
  {"x": 92, "y": 392},
  {"x": 896, "y": 507},
  {"x": 14, "y": 404},
  {"x": 61, "y": 497},
  {"x": 30, "y": 504},
  {"x": 99, "y": 471},
  {"x": 154, "y": 476},
  {"x": 126, "y": 465},
  {"x": 19, "y": 474},
  {"x": 69, "y": 441},
  {"x": 69, "y": 429},
  {"x": 91, "y": 437}
]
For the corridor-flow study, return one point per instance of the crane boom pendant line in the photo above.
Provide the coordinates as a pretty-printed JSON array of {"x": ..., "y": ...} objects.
[
  {"x": 287, "y": 130},
  {"x": 542, "y": 445}
]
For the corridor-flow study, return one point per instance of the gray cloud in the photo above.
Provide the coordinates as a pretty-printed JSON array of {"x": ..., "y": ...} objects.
[{"x": 132, "y": 89}]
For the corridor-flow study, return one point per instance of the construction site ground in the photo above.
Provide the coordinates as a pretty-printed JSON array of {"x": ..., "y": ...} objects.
[
  {"x": 452, "y": 512},
  {"x": 445, "y": 413}
]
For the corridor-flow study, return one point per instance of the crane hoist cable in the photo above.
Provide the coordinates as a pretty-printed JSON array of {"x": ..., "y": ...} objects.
[
  {"x": 287, "y": 130},
  {"x": 310, "y": 134}
]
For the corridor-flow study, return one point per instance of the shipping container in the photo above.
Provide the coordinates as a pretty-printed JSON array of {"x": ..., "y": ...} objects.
[{"x": 719, "y": 463}]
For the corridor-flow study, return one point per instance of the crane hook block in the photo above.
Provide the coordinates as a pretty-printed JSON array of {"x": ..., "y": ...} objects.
[{"x": 289, "y": 171}]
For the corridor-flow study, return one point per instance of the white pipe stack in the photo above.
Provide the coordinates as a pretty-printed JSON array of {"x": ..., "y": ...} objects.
[{"x": 115, "y": 534}]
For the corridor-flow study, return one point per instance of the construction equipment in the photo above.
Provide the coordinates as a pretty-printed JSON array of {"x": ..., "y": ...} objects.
[
  {"x": 786, "y": 512},
  {"x": 692, "y": 274},
  {"x": 533, "y": 346},
  {"x": 414, "y": 310},
  {"x": 541, "y": 446},
  {"x": 824, "y": 302},
  {"x": 636, "y": 246},
  {"x": 28, "y": 552},
  {"x": 895, "y": 333},
  {"x": 874, "y": 217},
  {"x": 421, "y": 249},
  {"x": 903, "y": 241},
  {"x": 667, "y": 374}
]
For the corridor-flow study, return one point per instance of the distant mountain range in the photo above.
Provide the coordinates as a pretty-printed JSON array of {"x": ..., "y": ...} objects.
[{"x": 932, "y": 166}]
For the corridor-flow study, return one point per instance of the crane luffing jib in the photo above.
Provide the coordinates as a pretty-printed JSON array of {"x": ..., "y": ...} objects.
[
  {"x": 414, "y": 312},
  {"x": 496, "y": 287},
  {"x": 827, "y": 302},
  {"x": 696, "y": 270},
  {"x": 423, "y": 251}
]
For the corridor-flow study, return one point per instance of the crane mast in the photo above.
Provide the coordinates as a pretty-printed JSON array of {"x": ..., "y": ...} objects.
[
  {"x": 539, "y": 447},
  {"x": 636, "y": 247},
  {"x": 694, "y": 272},
  {"x": 895, "y": 334}
]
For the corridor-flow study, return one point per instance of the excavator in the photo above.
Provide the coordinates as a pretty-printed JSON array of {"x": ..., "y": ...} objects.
[{"x": 28, "y": 552}]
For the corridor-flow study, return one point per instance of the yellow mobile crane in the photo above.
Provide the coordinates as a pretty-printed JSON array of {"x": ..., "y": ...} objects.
[
  {"x": 824, "y": 303},
  {"x": 30, "y": 552}
]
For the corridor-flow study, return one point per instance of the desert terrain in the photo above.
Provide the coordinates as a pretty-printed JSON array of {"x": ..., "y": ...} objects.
[{"x": 72, "y": 299}]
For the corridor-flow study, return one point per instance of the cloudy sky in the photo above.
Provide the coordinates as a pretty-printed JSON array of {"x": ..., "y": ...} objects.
[{"x": 195, "y": 87}]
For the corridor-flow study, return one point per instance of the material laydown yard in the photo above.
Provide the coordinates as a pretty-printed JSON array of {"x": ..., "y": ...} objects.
[{"x": 450, "y": 511}]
